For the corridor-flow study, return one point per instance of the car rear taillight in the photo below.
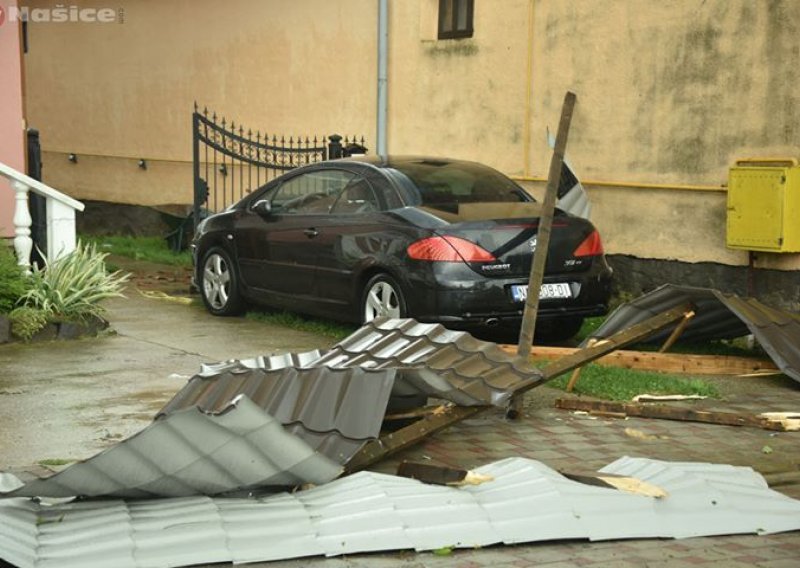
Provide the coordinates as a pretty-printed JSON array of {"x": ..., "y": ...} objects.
[
  {"x": 591, "y": 246},
  {"x": 448, "y": 249}
]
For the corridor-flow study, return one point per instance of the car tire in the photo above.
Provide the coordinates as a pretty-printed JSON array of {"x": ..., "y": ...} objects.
[
  {"x": 556, "y": 330},
  {"x": 219, "y": 283},
  {"x": 382, "y": 296}
]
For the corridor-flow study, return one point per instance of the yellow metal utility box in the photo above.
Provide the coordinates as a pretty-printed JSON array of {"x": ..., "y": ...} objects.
[{"x": 764, "y": 205}]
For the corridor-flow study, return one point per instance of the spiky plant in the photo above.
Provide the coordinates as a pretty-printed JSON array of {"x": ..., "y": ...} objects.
[{"x": 73, "y": 286}]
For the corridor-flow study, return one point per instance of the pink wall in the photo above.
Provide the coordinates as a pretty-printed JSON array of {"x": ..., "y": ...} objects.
[{"x": 12, "y": 134}]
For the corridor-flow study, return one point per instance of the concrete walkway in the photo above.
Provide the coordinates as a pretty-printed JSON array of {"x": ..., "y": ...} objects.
[{"x": 67, "y": 400}]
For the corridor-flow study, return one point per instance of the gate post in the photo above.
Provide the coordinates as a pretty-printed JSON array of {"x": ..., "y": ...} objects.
[
  {"x": 335, "y": 149},
  {"x": 198, "y": 193}
]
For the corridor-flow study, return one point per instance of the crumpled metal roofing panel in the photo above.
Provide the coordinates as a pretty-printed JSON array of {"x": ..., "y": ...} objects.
[
  {"x": 526, "y": 502},
  {"x": 717, "y": 316},
  {"x": 349, "y": 401},
  {"x": 193, "y": 453},
  {"x": 435, "y": 360},
  {"x": 429, "y": 360}
]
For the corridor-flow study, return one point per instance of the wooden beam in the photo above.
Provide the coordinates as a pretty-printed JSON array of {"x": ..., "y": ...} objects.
[
  {"x": 545, "y": 228},
  {"x": 447, "y": 415},
  {"x": 536, "y": 276},
  {"x": 664, "y": 362},
  {"x": 680, "y": 413},
  {"x": 376, "y": 450},
  {"x": 676, "y": 333},
  {"x": 576, "y": 374},
  {"x": 625, "y": 337}
]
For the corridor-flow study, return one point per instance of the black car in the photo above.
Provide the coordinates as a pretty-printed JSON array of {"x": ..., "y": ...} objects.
[{"x": 435, "y": 239}]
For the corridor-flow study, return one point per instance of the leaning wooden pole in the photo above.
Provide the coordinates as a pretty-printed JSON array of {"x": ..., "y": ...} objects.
[{"x": 528, "y": 327}]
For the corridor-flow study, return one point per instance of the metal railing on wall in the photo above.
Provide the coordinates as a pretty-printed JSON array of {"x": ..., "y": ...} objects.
[{"x": 230, "y": 161}]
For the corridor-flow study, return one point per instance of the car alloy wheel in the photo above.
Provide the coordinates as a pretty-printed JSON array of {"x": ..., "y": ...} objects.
[
  {"x": 382, "y": 298},
  {"x": 219, "y": 283}
]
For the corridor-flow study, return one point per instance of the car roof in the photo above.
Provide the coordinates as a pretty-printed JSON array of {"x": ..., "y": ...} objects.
[{"x": 393, "y": 161}]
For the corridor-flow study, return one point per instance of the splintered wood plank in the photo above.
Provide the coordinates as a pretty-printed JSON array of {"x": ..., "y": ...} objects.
[
  {"x": 386, "y": 445},
  {"x": 664, "y": 412},
  {"x": 664, "y": 362}
]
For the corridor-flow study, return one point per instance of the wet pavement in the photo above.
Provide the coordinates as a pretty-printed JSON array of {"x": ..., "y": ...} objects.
[{"x": 65, "y": 400}]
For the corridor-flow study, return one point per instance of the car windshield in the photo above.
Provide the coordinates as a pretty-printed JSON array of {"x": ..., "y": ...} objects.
[{"x": 440, "y": 184}]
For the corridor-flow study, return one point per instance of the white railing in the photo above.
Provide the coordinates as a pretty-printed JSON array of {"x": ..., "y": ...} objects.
[{"x": 61, "y": 209}]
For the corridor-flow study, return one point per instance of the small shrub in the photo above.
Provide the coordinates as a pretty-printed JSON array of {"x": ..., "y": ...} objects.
[
  {"x": 73, "y": 286},
  {"x": 12, "y": 280},
  {"x": 26, "y": 322}
]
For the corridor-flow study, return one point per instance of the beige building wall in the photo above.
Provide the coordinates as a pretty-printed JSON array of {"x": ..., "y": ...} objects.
[
  {"x": 670, "y": 93},
  {"x": 117, "y": 92}
]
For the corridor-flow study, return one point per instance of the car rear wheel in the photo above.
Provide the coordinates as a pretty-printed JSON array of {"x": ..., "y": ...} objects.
[
  {"x": 219, "y": 284},
  {"x": 382, "y": 297}
]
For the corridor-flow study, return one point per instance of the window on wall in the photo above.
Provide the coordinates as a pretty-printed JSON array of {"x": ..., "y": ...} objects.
[{"x": 455, "y": 18}]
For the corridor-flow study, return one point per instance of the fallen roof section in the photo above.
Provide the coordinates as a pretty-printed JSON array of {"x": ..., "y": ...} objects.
[
  {"x": 717, "y": 316},
  {"x": 191, "y": 452},
  {"x": 366, "y": 512},
  {"x": 429, "y": 360},
  {"x": 432, "y": 355}
]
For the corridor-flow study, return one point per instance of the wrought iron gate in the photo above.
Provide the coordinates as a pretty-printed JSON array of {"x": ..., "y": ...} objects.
[{"x": 231, "y": 161}]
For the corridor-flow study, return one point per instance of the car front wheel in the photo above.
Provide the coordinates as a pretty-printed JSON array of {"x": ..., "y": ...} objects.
[
  {"x": 382, "y": 296},
  {"x": 219, "y": 283}
]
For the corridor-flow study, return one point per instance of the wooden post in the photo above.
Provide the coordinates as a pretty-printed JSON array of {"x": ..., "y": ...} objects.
[
  {"x": 576, "y": 374},
  {"x": 676, "y": 333},
  {"x": 528, "y": 327}
]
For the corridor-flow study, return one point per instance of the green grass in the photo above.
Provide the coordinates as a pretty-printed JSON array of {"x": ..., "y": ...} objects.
[
  {"x": 334, "y": 330},
  {"x": 150, "y": 249},
  {"x": 613, "y": 383}
]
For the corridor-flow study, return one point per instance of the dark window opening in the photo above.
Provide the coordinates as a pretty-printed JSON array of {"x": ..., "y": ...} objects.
[{"x": 455, "y": 18}]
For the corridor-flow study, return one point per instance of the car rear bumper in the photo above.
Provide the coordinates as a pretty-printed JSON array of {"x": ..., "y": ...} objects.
[{"x": 460, "y": 300}]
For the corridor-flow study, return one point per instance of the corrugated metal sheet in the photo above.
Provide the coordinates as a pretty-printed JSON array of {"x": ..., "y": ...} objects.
[
  {"x": 527, "y": 502},
  {"x": 429, "y": 360},
  {"x": 190, "y": 452},
  {"x": 431, "y": 355},
  {"x": 717, "y": 316}
]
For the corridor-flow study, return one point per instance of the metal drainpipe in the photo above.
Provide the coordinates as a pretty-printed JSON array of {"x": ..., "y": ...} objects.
[{"x": 383, "y": 78}]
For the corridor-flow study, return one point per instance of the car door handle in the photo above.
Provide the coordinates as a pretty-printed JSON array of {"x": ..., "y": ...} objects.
[{"x": 311, "y": 233}]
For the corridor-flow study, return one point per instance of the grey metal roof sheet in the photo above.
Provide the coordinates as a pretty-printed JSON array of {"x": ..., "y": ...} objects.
[
  {"x": 717, "y": 316},
  {"x": 526, "y": 502},
  {"x": 435, "y": 360},
  {"x": 190, "y": 452},
  {"x": 350, "y": 401},
  {"x": 428, "y": 360}
]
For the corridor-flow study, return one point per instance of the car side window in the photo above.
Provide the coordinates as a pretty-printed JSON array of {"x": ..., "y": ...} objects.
[
  {"x": 313, "y": 193},
  {"x": 357, "y": 197}
]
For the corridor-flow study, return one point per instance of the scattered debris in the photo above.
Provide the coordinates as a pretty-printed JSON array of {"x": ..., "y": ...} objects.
[
  {"x": 789, "y": 420},
  {"x": 667, "y": 397},
  {"x": 157, "y": 295},
  {"x": 639, "y": 435},
  {"x": 682, "y": 413},
  {"x": 718, "y": 316},
  {"x": 680, "y": 363},
  {"x": 366, "y": 512},
  {"x": 441, "y": 475},
  {"x": 619, "y": 482}
]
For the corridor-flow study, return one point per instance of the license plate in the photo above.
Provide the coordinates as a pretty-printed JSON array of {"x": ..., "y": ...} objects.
[{"x": 519, "y": 292}]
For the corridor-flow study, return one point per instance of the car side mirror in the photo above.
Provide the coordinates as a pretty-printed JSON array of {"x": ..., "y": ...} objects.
[{"x": 263, "y": 207}]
